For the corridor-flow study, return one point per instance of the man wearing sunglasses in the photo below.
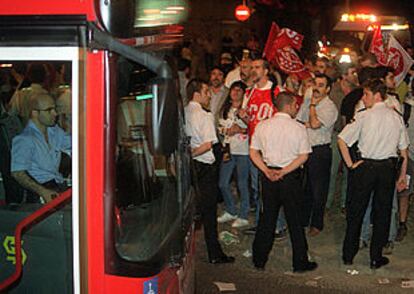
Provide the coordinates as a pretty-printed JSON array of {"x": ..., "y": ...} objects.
[{"x": 37, "y": 152}]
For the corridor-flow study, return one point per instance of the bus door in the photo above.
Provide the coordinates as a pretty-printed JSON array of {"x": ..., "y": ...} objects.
[{"x": 37, "y": 59}]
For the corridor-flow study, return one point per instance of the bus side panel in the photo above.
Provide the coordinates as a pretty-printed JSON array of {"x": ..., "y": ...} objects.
[
  {"x": 165, "y": 282},
  {"x": 42, "y": 7},
  {"x": 95, "y": 171}
]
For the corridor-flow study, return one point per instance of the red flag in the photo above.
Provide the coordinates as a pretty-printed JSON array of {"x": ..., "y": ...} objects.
[
  {"x": 288, "y": 60},
  {"x": 398, "y": 59},
  {"x": 287, "y": 37},
  {"x": 268, "y": 51},
  {"x": 377, "y": 46},
  {"x": 279, "y": 50}
]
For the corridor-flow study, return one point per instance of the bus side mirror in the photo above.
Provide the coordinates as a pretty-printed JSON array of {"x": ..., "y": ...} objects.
[
  {"x": 117, "y": 16},
  {"x": 164, "y": 124}
]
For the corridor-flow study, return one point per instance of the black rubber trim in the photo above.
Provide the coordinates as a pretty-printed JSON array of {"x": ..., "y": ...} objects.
[{"x": 41, "y": 31}]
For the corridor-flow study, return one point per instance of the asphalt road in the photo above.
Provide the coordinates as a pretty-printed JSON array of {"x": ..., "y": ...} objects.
[{"x": 330, "y": 277}]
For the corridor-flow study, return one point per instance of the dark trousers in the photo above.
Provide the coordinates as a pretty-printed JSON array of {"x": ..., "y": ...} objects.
[
  {"x": 318, "y": 171},
  {"x": 206, "y": 178},
  {"x": 286, "y": 193},
  {"x": 32, "y": 197},
  {"x": 372, "y": 176}
]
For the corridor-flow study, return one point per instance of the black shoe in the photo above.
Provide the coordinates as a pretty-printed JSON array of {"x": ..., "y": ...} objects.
[
  {"x": 347, "y": 262},
  {"x": 259, "y": 268},
  {"x": 309, "y": 266},
  {"x": 222, "y": 259},
  {"x": 250, "y": 231},
  {"x": 375, "y": 264},
  {"x": 401, "y": 233}
]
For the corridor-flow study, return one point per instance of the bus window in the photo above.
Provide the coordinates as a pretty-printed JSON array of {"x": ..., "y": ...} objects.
[
  {"x": 25, "y": 82},
  {"x": 146, "y": 183},
  {"x": 36, "y": 94}
]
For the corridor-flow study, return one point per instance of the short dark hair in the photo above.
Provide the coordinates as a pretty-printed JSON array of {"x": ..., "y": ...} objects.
[
  {"x": 218, "y": 68},
  {"x": 239, "y": 84},
  {"x": 381, "y": 72},
  {"x": 344, "y": 67},
  {"x": 323, "y": 59},
  {"x": 376, "y": 86},
  {"x": 283, "y": 99},
  {"x": 266, "y": 64},
  {"x": 365, "y": 74},
  {"x": 183, "y": 64},
  {"x": 324, "y": 76},
  {"x": 194, "y": 86},
  {"x": 369, "y": 56}
]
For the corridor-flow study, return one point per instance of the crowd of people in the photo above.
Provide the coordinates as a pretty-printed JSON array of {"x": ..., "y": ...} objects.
[{"x": 293, "y": 143}]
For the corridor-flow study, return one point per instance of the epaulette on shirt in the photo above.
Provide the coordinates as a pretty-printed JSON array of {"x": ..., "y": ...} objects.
[
  {"x": 359, "y": 111},
  {"x": 394, "y": 94},
  {"x": 399, "y": 113}
]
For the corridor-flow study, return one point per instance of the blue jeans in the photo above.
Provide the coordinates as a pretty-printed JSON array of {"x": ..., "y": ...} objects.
[
  {"x": 254, "y": 185},
  {"x": 336, "y": 159},
  {"x": 254, "y": 182},
  {"x": 241, "y": 164},
  {"x": 365, "y": 230}
]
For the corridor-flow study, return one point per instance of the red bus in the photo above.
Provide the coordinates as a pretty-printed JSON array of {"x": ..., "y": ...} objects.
[{"x": 126, "y": 223}]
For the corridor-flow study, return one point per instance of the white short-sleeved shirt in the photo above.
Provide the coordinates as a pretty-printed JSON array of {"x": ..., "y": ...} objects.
[
  {"x": 199, "y": 126},
  {"x": 380, "y": 131},
  {"x": 391, "y": 102},
  {"x": 327, "y": 114},
  {"x": 239, "y": 143},
  {"x": 281, "y": 140}
]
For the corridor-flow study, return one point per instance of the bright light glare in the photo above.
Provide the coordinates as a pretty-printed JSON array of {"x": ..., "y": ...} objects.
[
  {"x": 169, "y": 12},
  {"x": 242, "y": 12},
  {"x": 151, "y": 11},
  {"x": 358, "y": 17},
  {"x": 345, "y": 58},
  {"x": 175, "y": 8}
]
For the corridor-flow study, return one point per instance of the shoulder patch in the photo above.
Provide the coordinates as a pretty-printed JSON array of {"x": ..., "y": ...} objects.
[{"x": 399, "y": 113}]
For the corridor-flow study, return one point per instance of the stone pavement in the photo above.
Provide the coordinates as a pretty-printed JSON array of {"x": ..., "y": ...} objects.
[{"x": 330, "y": 277}]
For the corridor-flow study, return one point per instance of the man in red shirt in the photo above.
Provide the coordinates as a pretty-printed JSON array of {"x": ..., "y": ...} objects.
[{"x": 258, "y": 106}]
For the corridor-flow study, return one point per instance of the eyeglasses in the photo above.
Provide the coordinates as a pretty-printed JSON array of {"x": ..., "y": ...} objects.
[{"x": 49, "y": 109}]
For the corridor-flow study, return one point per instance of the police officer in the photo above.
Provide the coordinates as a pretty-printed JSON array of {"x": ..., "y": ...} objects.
[
  {"x": 279, "y": 147},
  {"x": 200, "y": 128},
  {"x": 380, "y": 132}
]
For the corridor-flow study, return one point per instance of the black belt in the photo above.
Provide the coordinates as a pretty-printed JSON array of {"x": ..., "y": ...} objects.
[
  {"x": 296, "y": 171},
  {"x": 390, "y": 159},
  {"x": 322, "y": 145},
  {"x": 274, "y": 167}
]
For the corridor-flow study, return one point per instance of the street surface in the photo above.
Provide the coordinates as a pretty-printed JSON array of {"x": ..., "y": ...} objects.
[{"x": 330, "y": 277}]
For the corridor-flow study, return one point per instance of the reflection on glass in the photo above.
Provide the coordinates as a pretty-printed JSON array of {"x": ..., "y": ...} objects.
[
  {"x": 150, "y": 13},
  {"x": 146, "y": 184}
]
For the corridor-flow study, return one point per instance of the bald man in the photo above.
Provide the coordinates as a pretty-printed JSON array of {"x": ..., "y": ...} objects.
[{"x": 37, "y": 151}]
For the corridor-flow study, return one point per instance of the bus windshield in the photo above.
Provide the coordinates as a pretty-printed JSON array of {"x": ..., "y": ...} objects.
[{"x": 146, "y": 183}]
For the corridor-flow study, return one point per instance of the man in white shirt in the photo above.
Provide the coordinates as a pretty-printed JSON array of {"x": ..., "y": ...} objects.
[
  {"x": 218, "y": 92},
  {"x": 200, "y": 128},
  {"x": 279, "y": 147},
  {"x": 380, "y": 132},
  {"x": 241, "y": 73},
  {"x": 319, "y": 115}
]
